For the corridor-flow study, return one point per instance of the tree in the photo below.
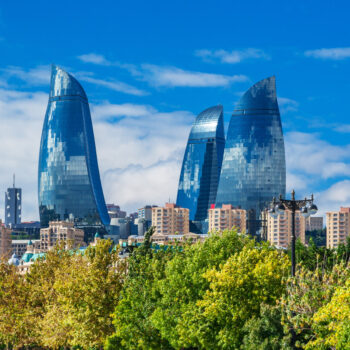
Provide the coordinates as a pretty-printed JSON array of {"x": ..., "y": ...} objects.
[
  {"x": 185, "y": 284},
  {"x": 87, "y": 288},
  {"x": 306, "y": 294},
  {"x": 331, "y": 323},
  {"x": 248, "y": 279},
  {"x": 138, "y": 300}
]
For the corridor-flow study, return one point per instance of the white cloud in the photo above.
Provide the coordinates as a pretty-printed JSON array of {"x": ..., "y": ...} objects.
[
  {"x": 309, "y": 154},
  {"x": 339, "y": 53},
  {"x": 35, "y": 76},
  {"x": 287, "y": 105},
  {"x": 176, "y": 77},
  {"x": 336, "y": 196},
  {"x": 114, "y": 85},
  {"x": 95, "y": 59},
  {"x": 231, "y": 57},
  {"x": 22, "y": 116}
]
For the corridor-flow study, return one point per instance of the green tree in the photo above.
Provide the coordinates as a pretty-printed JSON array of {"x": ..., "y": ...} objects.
[
  {"x": 185, "y": 284},
  {"x": 331, "y": 323},
  {"x": 87, "y": 288},
  {"x": 248, "y": 279},
  {"x": 138, "y": 300},
  {"x": 306, "y": 293}
]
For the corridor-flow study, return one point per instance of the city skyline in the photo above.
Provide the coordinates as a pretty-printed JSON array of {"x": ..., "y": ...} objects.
[{"x": 145, "y": 91}]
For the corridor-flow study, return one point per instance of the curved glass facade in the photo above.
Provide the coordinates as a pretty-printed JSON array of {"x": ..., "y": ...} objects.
[
  {"x": 69, "y": 180},
  {"x": 254, "y": 169},
  {"x": 202, "y": 163}
]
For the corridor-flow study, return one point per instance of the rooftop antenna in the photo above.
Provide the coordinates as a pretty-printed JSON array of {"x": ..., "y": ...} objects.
[{"x": 14, "y": 180}]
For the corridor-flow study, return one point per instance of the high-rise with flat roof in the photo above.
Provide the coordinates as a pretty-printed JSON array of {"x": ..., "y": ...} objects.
[
  {"x": 69, "y": 180},
  {"x": 201, "y": 165},
  {"x": 227, "y": 217},
  {"x": 170, "y": 219},
  {"x": 279, "y": 229},
  {"x": 253, "y": 168},
  {"x": 338, "y": 227}
]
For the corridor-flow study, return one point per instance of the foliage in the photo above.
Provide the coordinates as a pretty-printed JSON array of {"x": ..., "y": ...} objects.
[
  {"x": 228, "y": 292},
  {"x": 87, "y": 288},
  {"x": 265, "y": 332},
  {"x": 319, "y": 237},
  {"x": 138, "y": 300},
  {"x": 250, "y": 278},
  {"x": 331, "y": 323},
  {"x": 185, "y": 284},
  {"x": 306, "y": 294}
]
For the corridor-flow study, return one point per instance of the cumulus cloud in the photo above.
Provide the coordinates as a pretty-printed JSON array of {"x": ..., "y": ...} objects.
[
  {"x": 307, "y": 153},
  {"x": 176, "y": 77},
  {"x": 231, "y": 57},
  {"x": 339, "y": 53},
  {"x": 334, "y": 197},
  {"x": 22, "y": 115}
]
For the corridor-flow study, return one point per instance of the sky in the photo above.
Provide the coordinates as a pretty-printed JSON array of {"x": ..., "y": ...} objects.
[{"x": 149, "y": 67}]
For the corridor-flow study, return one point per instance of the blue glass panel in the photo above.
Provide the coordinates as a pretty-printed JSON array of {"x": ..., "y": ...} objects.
[
  {"x": 69, "y": 181},
  {"x": 253, "y": 169},
  {"x": 202, "y": 163}
]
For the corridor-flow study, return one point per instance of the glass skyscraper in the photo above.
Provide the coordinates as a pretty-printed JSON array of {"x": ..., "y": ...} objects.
[
  {"x": 69, "y": 180},
  {"x": 254, "y": 169},
  {"x": 202, "y": 164}
]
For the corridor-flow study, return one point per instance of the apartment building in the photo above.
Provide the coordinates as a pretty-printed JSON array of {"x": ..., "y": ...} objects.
[
  {"x": 338, "y": 227},
  {"x": 227, "y": 217},
  {"x": 170, "y": 219},
  {"x": 279, "y": 229}
]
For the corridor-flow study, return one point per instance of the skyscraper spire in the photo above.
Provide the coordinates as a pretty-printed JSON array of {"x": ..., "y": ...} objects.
[{"x": 202, "y": 163}]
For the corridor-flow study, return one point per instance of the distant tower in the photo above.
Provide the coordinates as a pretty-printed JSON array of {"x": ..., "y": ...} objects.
[
  {"x": 201, "y": 165},
  {"x": 13, "y": 205}
]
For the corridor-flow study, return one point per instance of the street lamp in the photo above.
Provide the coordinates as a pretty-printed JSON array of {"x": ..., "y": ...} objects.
[{"x": 306, "y": 207}]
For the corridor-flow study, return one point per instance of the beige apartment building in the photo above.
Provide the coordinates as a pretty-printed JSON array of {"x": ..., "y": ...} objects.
[
  {"x": 227, "y": 217},
  {"x": 314, "y": 223},
  {"x": 170, "y": 220},
  {"x": 338, "y": 227},
  {"x": 5, "y": 241},
  {"x": 279, "y": 230},
  {"x": 61, "y": 231}
]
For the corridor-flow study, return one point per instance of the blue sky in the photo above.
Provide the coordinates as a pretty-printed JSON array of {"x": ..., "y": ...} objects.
[{"x": 149, "y": 67}]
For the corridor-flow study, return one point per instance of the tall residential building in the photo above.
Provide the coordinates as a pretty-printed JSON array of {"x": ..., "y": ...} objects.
[
  {"x": 13, "y": 205},
  {"x": 5, "y": 241},
  {"x": 253, "y": 169},
  {"x": 227, "y": 217},
  {"x": 69, "y": 179},
  {"x": 201, "y": 165},
  {"x": 279, "y": 230},
  {"x": 314, "y": 223},
  {"x": 338, "y": 227},
  {"x": 61, "y": 231},
  {"x": 170, "y": 219}
]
